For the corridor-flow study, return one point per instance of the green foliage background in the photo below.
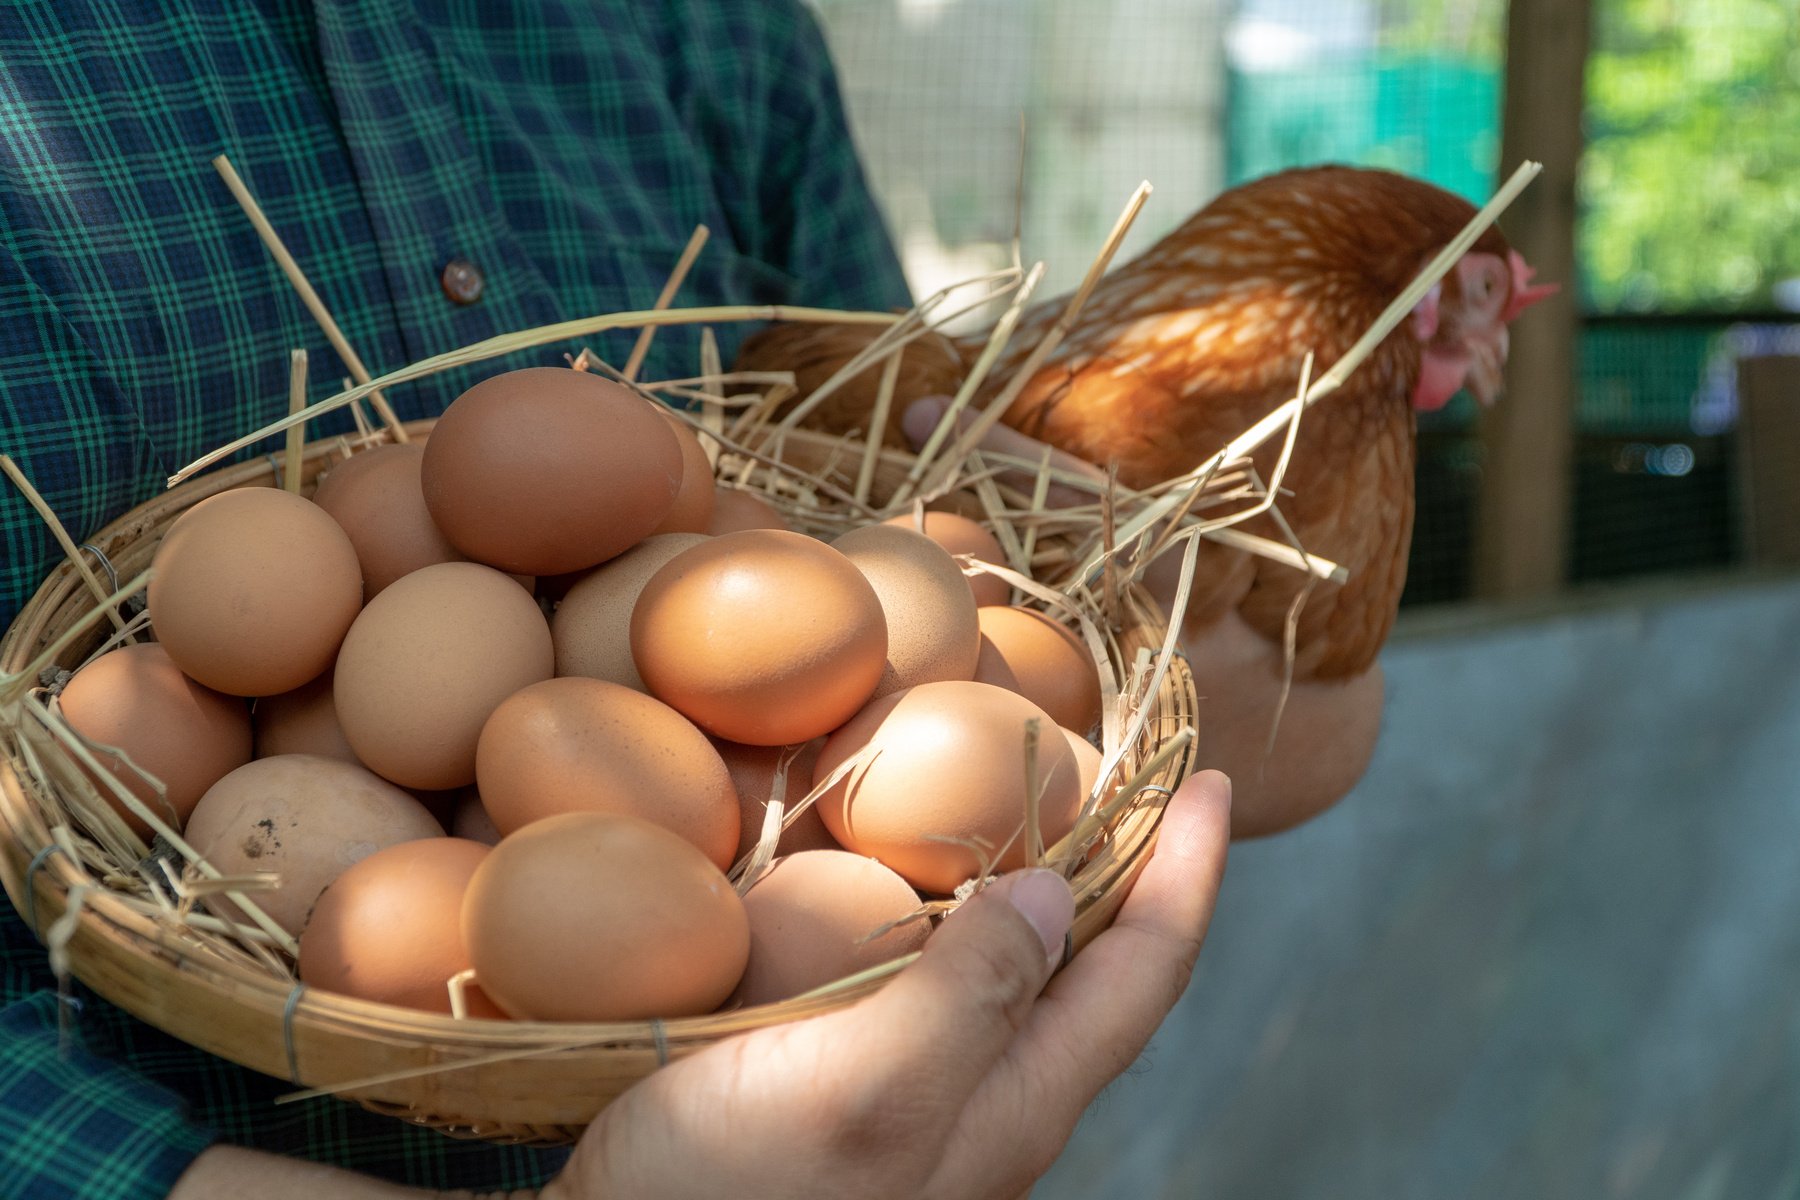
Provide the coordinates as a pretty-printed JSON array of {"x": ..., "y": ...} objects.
[{"x": 1691, "y": 183}]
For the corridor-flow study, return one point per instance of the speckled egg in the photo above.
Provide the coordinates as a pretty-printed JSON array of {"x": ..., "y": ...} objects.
[{"x": 306, "y": 818}]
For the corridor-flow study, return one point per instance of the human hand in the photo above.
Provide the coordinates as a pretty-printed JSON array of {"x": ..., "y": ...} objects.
[{"x": 961, "y": 1078}]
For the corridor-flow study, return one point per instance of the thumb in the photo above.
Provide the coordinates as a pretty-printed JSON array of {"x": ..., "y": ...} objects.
[{"x": 952, "y": 1013}]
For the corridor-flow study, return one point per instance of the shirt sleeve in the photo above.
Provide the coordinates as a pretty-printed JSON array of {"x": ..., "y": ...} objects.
[
  {"x": 817, "y": 195},
  {"x": 767, "y": 108},
  {"x": 73, "y": 1124}
]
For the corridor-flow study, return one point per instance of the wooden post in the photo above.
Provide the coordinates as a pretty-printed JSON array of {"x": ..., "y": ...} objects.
[
  {"x": 1768, "y": 447},
  {"x": 1522, "y": 526}
]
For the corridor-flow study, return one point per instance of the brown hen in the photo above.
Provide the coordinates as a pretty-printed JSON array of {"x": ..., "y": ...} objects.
[{"x": 1190, "y": 344}]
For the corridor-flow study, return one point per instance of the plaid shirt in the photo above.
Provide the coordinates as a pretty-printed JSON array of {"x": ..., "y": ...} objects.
[{"x": 566, "y": 148}]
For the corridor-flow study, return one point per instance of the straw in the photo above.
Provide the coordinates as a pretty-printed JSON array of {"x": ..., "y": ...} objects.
[
  {"x": 666, "y": 298},
  {"x": 322, "y": 315}
]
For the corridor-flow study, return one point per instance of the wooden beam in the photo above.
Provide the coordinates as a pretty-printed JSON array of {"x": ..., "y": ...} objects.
[
  {"x": 1522, "y": 527},
  {"x": 1768, "y": 447}
]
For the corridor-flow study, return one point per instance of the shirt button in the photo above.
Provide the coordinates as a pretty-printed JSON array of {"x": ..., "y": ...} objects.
[{"x": 462, "y": 281}]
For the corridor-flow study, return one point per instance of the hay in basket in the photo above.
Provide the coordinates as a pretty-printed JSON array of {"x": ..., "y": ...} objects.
[{"x": 127, "y": 919}]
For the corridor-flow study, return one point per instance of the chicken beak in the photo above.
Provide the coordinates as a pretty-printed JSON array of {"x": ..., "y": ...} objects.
[{"x": 1524, "y": 292}]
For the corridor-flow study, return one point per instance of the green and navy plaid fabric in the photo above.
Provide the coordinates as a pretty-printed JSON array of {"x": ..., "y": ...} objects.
[{"x": 567, "y": 149}]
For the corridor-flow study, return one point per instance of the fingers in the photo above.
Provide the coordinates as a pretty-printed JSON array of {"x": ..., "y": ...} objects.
[
  {"x": 923, "y": 415},
  {"x": 1116, "y": 992},
  {"x": 942, "y": 1023},
  {"x": 1097, "y": 1015}
]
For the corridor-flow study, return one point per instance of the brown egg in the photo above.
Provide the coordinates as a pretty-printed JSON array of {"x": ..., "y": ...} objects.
[
  {"x": 582, "y": 745},
  {"x": 586, "y": 917},
  {"x": 735, "y": 510},
  {"x": 763, "y": 636},
  {"x": 959, "y": 535},
  {"x": 377, "y": 497},
  {"x": 592, "y": 625},
  {"x": 389, "y": 929},
  {"x": 932, "y": 629},
  {"x": 693, "y": 508},
  {"x": 808, "y": 916},
  {"x": 548, "y": 470},
  {"x": 753, "y": 771},
  {"x": 428, "y": 661},
  {"x": 948, "y": 762},
  {"x": 1088, "y": 761},
  {"x": 1024, "y": 651},
  {"x": 471, "y": 820},
  {"x": 187, "y": 736},
  {"x": 303, "y": 721},
  {"x": 308, "y": 819},
  {"x": 253, "y": 591}
]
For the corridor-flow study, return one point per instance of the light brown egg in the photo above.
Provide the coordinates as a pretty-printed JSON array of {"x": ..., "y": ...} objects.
[
  {"x": 753, "y": 770},
  {"x": 932, "y": 629},
  {"x": 187, "y": 736},
  {"x": 1026, "y": 652},
  {"x": 948, "y": 762},
  {"x": 378, "y": 499},
  {"x": 592, "y": 626},
  {"x": 389, "y": 929},
  {"x": 735, "y": 509},
  {"x": 582, "y": 745},
  {"x": 428, "y": 661},
  {"x": 586, "y": 917},
  {"x": 547, "y": 470},
  {"x": 1088, "y": 760},
  {"x": 253, "y": 591},
  {"x": 808, "y": 915},
  {"x": 308, "y": 819},
  {"x": 763, "y": 636},
  {"x": 693, "y": 508},
  {"x": 959, "y": 535},
  {"x": 303, "y": 721}
]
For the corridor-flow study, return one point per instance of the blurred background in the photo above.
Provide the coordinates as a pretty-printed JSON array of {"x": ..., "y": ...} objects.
[{"x": 1551, "y": 946}]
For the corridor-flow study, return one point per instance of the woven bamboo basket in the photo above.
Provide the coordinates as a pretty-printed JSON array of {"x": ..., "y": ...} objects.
[{"x": 511, "y": 1081}]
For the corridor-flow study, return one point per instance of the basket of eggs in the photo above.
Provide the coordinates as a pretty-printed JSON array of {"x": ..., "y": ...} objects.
[{"x": 472, "y": 769}]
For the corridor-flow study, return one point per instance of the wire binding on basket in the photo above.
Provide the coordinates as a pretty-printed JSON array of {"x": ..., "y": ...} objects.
[
  {"x": 287, "y": 1032},
  {"x": 112, "y": 572},
  {"x": 661, "y": 1038},
  {"x": 38, "y": 862}
]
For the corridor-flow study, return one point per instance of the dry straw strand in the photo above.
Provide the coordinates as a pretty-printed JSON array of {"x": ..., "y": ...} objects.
[
  {"x": 69, "y": 549},
  {"x": 308, "y": 297},
  {"x": 685, "y": 263}
]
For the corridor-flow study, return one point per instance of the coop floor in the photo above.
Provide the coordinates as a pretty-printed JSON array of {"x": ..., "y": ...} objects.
[{"x": 1550, "y": 947}]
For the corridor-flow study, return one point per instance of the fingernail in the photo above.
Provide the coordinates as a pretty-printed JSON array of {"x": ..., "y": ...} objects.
[
  {"x": 1043, "y": 899},
  {"x": 921, "y": 417}
]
